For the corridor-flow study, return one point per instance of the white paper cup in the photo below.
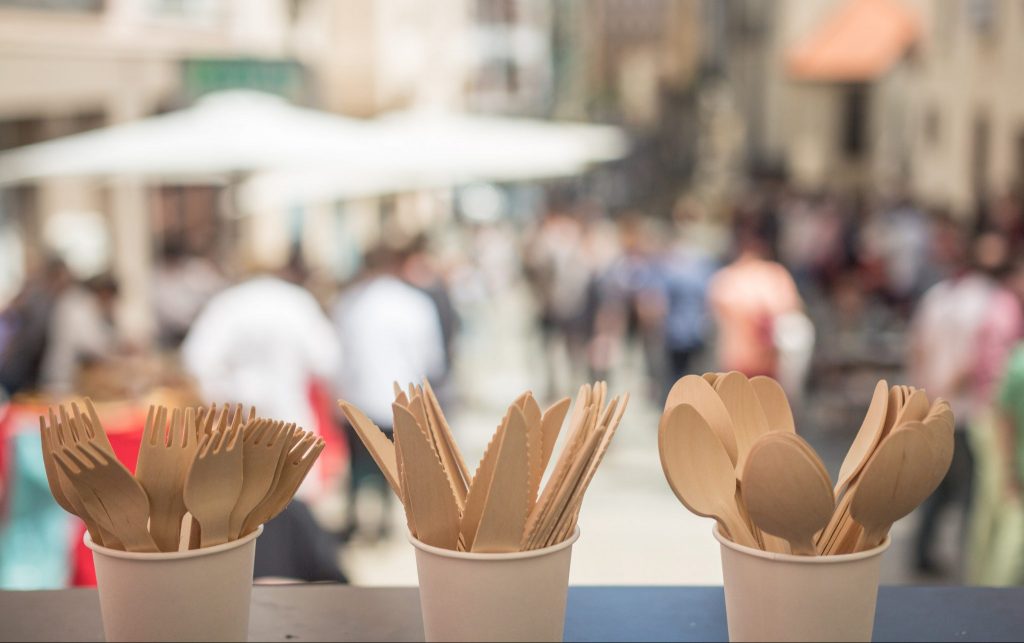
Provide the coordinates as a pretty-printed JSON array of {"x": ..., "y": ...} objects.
[
  {"x": 195, "y": 595},
  {"x": 494, "y": 597},
  {"x": 781, "y": 597}
]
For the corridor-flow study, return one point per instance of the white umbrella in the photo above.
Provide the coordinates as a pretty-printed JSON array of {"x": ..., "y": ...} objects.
[
  {"x": 444, "y": 149},
  {"x": 223, "y": 134}
]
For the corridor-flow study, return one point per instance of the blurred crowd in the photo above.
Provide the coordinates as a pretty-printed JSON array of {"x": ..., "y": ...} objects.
[{"x": 820, "y": 291}]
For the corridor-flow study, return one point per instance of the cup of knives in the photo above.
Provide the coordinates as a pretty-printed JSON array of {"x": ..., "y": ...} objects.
[
  {"x": 493, "y": 547},
  {"x": 801, "y": 556},
  {"x": 174, "y": 543}
]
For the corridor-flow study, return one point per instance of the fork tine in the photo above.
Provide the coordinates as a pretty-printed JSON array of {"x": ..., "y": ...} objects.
[
  {"x": 94, "y": 417},
  {"x": 64, "y": 463},
  {"x": 264, "y": 428},
  {"x": 313, "y": 451},
  {"x": 94, "y": 455},
  {"x": 252, "y": 413},
  {"x": 160, "y": 429},
  {"x": 84, "y": 426},
  {"x": 234, "y": 436},
  {"x": 63, "y": 433},
  {"x": 204, "y": 445},
  {"x": 55, "y": 425},
  {"x": 147, "y": 432},
  {"x": 236, "y": 417},
  {"x": 210, "y": 419},
  {"x": 189, "y": 433},
  {"x": 298, "y": 435},
  {"x": 222, "y": 419},
  {"x": 66, "y": 421},
  {"x": 295, "y": 455},
  {"x": 73, "y": 453},
  {"x": 279, "y": 433},
  {"x": 174, "y": 436},
  {"x": 44, "y": 435}
]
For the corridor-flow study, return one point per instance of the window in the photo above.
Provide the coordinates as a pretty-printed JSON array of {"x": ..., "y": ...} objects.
[
  {"x": 979, "y": 154},
  {"x": 1018, "y": 181},
  {"x": 855, "y": 129},
  {"x": 81, "y": 6},
  {"x": 195, "y": 12}
]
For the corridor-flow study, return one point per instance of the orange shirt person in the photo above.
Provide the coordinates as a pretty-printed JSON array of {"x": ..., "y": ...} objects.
[{"x": 745, "y": 297}]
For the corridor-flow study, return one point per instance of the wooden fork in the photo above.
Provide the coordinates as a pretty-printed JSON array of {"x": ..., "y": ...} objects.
[
  {"x": 164, "y": 457},
  {"x": 60, "y": 486},
  {"x": 262, "y": 444},
  {"x": 297, "y": 463},
  {"x": 213, "y": 483},
  {"x": 110, "y": 493},
  {"x": 266, "y": 507}
]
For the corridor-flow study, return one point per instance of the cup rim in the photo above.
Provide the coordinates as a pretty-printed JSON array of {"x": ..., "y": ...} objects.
[
  {"x": 170, "y": 555},
  {"x": 807, "y": 560},
  {"x": 517, "y": 555}
]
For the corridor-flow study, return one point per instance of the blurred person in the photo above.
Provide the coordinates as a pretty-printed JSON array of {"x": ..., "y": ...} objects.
[
  {"x": 182, "y": 284},
  {"x": 389, "y": 332},
  {"x": 262, "y": 343},
  {"x": 901, "y": 235},
  {"x": 995, "y": 554},
  {"x": 686, "y": 271},
  {"x": 560, "y": 275},
  {"x": 746, "y": 297},
  {"x": 631, "y": 303},
  {"x": 26, "y": 323},
  {"x": 960, "y": 337},
  {"x": 419, "y": 269},
  {"x": 1003, "y": 548},
  {"x": 80, "y": 331}
]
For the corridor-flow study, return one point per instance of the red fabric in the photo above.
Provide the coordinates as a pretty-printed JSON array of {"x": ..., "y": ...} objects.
[
  {"x": 335, "y": 453},
  {"x": 125, "y": 437}
]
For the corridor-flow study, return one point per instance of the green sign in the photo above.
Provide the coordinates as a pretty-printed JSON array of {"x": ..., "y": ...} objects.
[{"x": 285, "y": 78}]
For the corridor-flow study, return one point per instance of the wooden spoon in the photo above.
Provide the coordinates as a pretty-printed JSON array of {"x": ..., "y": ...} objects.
[
  {"x": 867, "y": 438},
  {"x": 915, "y": 408},
  {"x": 698, "y": 393},
  {"x": 900, "y": 476},
  {"x": 748, "y": 419},
  {"x": 785, "y": 491},
  {"x": 774, "y": 403},
  {"x": 700, "y": 472}
]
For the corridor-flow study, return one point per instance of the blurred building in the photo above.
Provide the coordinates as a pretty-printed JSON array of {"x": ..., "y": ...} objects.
[
  {"x": 879, "y": 95},
  {"x": 71, "y": 65}
]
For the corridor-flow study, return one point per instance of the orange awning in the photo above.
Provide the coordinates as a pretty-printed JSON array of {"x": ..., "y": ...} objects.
[{"x": 858, "y": 42}]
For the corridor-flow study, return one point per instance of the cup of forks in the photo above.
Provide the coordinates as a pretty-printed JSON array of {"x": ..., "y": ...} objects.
[
  {"x": 174, "y": 542},
  {"x": 191, "y": 595}
]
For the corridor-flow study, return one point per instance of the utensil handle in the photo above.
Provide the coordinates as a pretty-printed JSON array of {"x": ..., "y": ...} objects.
[
  {"x": 871, "y": 538},
  {"x": 214, "y": 531},
  {"x": 737, "y": 529}
]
